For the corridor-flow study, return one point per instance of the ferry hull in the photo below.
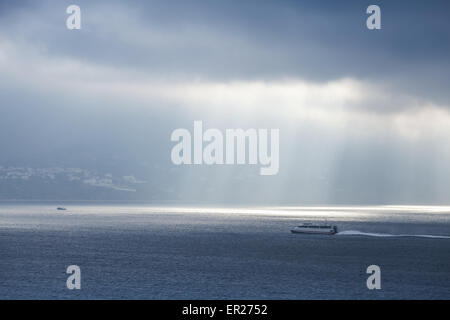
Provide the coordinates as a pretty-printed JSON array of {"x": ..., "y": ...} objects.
[{"x": 328, "y": 232}]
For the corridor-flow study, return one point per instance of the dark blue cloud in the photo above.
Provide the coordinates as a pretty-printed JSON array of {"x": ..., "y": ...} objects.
[
  {"x": 230, "y": 40},
  {"x": 317, "y": 40}
]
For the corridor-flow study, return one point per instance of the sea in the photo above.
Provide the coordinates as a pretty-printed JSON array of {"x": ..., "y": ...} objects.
[{"x": 143, "y": 251}]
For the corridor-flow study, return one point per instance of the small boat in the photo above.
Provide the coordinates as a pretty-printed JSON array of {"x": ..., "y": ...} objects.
[
  {"x": 315, "y": 229},
  {"x": 61, "y": 208}
]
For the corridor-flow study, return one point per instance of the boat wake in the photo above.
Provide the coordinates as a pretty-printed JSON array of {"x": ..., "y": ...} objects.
[{"x": 368, "y": 234}]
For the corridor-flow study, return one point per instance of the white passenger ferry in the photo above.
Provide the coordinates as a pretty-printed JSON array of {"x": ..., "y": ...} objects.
[{"x": 315, "y": 229}]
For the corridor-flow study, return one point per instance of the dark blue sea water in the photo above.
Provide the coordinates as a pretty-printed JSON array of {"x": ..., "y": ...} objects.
[{"x": 149, "y": 252}]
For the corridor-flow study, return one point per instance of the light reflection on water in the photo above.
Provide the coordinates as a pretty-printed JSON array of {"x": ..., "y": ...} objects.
[
  {"x": 298, "y": 211},
  {"x": 29, "y": 215}
]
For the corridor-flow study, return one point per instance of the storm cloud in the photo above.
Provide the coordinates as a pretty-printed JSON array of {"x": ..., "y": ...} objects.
[{"x": 364, "y": 115}]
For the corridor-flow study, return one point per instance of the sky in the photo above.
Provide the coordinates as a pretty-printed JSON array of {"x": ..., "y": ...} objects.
[{"x": 364, "y": 115}]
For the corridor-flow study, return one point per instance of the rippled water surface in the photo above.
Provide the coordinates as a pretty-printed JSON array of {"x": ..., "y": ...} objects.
[{"x": 167, "y": 252}]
